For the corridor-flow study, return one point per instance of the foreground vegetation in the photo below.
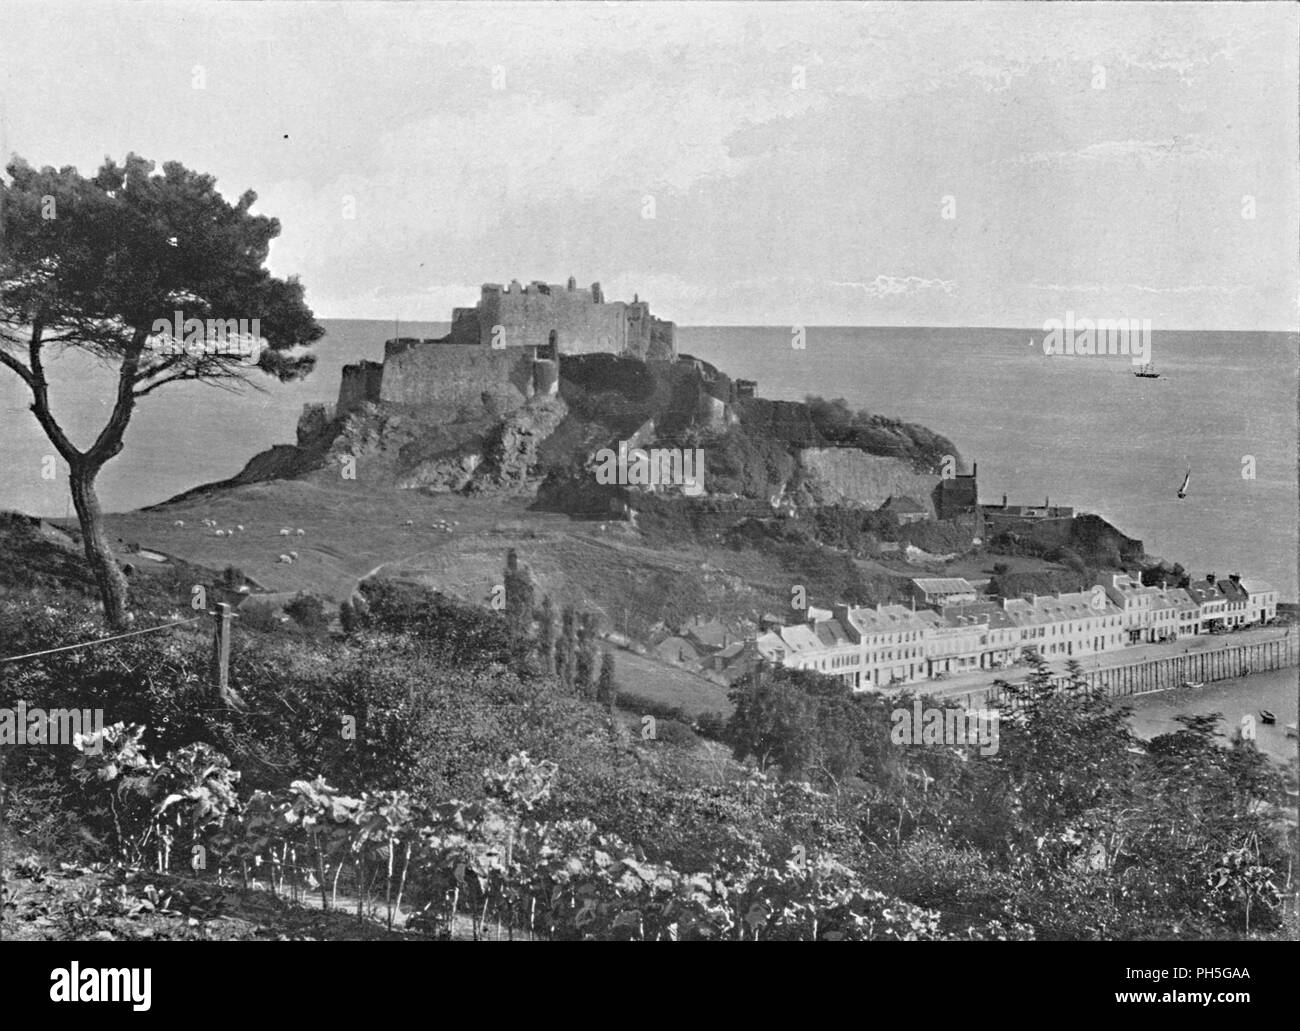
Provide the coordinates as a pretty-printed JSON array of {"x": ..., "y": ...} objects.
[{"x": 439, "y": 770}]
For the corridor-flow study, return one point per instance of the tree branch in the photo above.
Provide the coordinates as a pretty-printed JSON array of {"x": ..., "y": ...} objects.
[
  {"x": 24, "y": 373},
  {"x": 109, "y": 441},
  {"x": 41, "y": 399}
]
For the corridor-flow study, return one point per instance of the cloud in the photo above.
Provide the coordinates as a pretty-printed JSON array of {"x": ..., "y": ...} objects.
[
  {"x": 1115, "y": 288},
  {"x": 883, "y": 285},
  {"x": 1148, "y": 152}
]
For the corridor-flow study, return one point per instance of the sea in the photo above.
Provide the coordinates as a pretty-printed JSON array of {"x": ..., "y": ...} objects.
[{"x": 1079, "y": 430}]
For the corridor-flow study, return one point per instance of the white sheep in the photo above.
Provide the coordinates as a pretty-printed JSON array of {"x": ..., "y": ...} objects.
[
  {"x": 239, "y": 527},
  {"x": 409, "y": 522},
  {"x": 221, "y": 533},
  {"x": 293, "y": 555},
  {"x": 284, "y": 533},
  {"x": 285, "y": 559},
  {"x": 301, "y": 532},
  {"x": 179, "y": 522}
]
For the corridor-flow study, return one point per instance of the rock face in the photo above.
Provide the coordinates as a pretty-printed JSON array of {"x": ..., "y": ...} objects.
[
  {"x": 511, "y": 454},
  {"x": 847, "y": 476}
]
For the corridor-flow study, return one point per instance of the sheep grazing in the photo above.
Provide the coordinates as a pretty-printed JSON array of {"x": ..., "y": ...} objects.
[
  {"x": 284, "y": 533},
  {"x": 284, "y": 559},
  {"x": 409, "y": 522},
  {"x": 293, "y": 555},
  {"x": 221, "y": 533},
  {"x": 301, "y": 532},
  {"x": 239, "y": 528},
  {"x": 179, "y": 522}
]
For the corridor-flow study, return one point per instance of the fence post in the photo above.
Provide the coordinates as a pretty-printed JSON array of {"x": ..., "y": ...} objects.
[{"x": 221, "y": 650}]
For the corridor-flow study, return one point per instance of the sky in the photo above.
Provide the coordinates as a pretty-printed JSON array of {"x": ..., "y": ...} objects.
[{"x": 975, "y": 164}]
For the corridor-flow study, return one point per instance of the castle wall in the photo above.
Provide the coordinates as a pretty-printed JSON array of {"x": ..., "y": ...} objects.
[
  {"x": 581, "y": 321},
  {"x": 359, "y": 384},
  {"x": 434, "y": 373}
]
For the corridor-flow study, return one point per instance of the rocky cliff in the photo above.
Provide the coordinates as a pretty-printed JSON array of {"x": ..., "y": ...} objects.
[{"x": 847, "y": 476}]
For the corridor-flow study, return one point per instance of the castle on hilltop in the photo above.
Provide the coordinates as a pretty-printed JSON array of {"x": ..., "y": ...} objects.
[
  {"x": 562, "y": 320},
  {"x": 506, "y": 349}
]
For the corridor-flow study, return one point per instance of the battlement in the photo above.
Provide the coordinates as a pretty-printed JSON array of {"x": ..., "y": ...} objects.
[{"x": 563, "y": 319}]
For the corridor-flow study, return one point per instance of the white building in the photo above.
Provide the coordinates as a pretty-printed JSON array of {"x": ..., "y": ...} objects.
[{"x": 1263, "y": 600}]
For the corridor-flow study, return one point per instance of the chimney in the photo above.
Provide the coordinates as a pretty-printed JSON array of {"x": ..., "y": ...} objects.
[
  {"x": 1004, "y": 501},
  {"x": 974, "y": 469},
  {"x": 1209, "y": 578},
  {"x": 1235, "y": 578}
]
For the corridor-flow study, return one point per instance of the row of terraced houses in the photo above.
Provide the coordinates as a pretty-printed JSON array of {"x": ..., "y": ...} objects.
[{"x": 949, "y": 630}]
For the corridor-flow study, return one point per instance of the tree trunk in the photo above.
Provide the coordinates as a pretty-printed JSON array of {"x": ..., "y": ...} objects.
[{"x": 109, "y": 577}]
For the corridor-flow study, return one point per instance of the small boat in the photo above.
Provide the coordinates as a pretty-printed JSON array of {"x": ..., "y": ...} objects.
[
  {"x": 1267, "y": 716},
  {"x": 1291, "y": 730},
  {"x": 1147, "y": 371},
  {"x": 1193, "y": 683},
  {"x": 1182, "y": 491}
]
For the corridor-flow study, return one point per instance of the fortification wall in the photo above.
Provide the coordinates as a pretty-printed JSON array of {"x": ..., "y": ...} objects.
[
  {"x": 447, "y": 374},
  {"x": 581, "y": 321},
  {"x": 359, "y": 384}
]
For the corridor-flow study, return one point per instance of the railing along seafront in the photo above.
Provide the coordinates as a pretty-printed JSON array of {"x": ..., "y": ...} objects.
[{"x": 1160, "y": 674}]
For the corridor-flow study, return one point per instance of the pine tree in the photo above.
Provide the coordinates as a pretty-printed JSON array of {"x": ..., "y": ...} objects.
[
  {"x": 585, "y": 660},
  {"x": 520, "y": 594},
  {"x": 546, "y": 634},
  {"x": 606, "y": 688},
  {"x": 566, "y": 648}
]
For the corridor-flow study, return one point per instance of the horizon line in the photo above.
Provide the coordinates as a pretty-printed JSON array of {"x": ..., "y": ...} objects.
[{"x": 844, "y": 325}]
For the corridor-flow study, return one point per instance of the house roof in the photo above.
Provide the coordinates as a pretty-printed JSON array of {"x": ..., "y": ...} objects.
[
  {"x": 1055, "y": 608},
  {"x": 1253, "y": 586},
  {"x": 768, "y": 644},
  {"x": 978, "y": 612},
  {"x": 800, "y": 638},
  {"x": 885, "y": 619},
  {"x": 944, "y": 585},
  {"x": 675, "y": 649},
  {"x": 710, "y": 633},
  {"x": 1230, "y": 590},
  {"x": 1203, "y": 591},
  {"x": 831, "y": 633},
  {"x": 901, "y": 503}
]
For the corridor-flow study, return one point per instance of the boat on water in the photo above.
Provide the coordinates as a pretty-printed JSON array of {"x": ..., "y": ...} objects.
[
  {"x": 1182, "y": 491},
  {"x": 1193, "y": 683},
  {"x": 1147, "y": 371},
  {"x": 1267, "y": 716}
]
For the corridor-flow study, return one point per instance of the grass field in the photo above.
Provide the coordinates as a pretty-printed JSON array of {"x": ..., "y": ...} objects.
[{"x": 668, "y": 685}]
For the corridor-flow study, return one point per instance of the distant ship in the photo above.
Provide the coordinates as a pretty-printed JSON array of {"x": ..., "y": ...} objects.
[
  {"x": 1182, "y": 491},
  {"x": 1147, "y": 371}
]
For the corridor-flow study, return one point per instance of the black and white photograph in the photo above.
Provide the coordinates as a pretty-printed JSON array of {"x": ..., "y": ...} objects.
[{"x": 651, "y": 471}]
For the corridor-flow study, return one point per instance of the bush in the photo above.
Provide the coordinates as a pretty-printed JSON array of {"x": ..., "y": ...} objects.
[
  {"x": 674, "y": 732},
  {"x": 308, "y": 611}
]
